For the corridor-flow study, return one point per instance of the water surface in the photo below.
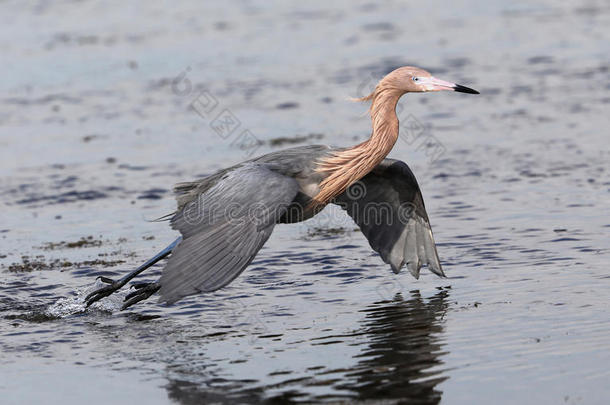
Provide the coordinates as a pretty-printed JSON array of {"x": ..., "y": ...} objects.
[{"x": 95, "y": 128}]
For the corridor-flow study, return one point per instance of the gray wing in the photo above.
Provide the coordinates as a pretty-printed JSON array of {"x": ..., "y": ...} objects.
[
  {"x": 388, "y": 207},
  {"x": 223, "y": 228}
]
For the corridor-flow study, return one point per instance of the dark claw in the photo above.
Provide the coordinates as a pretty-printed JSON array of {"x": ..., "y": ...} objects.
[
  {"x": 116, "y": 285},
  {"x": 142, "y": 292},
  {"x": 137, "y": 286},
  {"x": 105, "y": 291}
]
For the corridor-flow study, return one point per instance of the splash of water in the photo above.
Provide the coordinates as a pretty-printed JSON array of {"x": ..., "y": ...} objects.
[{"x": 64, "y": 307}]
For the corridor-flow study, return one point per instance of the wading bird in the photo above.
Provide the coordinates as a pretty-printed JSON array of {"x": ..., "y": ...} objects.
[{"x": 225, "y": 218}]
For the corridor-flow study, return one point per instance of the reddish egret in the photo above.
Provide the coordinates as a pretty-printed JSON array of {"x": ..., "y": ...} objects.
[{"x": 225, "y": 218}]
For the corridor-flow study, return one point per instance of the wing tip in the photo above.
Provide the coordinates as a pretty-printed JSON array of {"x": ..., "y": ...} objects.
[
  {"x": 166, "y": 298},
  {"x": 396, "y": 266},
  {"x": 437, "y": 269},
  {"x": 414, "y": 268}
]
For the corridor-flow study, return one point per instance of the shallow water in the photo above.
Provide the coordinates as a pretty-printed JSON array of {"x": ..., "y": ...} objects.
[{"x": 95, "y": 128}]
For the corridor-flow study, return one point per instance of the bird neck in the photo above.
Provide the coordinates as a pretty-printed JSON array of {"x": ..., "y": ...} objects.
[
  {"x": 345, "y": 167},
  {"x": 385, "y": 125}
]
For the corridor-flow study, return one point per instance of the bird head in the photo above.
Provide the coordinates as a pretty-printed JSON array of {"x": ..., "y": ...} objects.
[{"x": 409, "y": 79}]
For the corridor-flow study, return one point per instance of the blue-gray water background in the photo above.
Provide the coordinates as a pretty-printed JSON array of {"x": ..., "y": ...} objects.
[{"x": 95, "y": 129}]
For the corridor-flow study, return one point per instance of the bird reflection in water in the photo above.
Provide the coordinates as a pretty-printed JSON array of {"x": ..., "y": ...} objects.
[
  {"x": 400, "y": 362},
  {"x": 405, "y": 349}
]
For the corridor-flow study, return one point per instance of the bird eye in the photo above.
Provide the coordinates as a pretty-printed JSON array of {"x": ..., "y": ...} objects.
[{"x": 415, "y": 79}]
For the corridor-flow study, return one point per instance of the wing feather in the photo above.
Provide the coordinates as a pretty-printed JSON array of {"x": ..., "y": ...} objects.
[
  {"x": 388, "y": 207},
  {"x": 223, "y": 228}
]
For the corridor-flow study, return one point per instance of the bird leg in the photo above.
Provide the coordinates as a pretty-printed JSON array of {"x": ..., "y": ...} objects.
[
  {"x": 114, "y": 286},
  {"x": 105, "y": 291},
  {"x": 142, "y": 292}
]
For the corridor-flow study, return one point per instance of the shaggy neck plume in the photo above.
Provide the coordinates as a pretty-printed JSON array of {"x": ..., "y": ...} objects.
[{"x": 350, "y": 165}]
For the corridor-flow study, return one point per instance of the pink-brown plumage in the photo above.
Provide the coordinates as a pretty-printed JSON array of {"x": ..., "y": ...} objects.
[{"x": 345, "y": 167}]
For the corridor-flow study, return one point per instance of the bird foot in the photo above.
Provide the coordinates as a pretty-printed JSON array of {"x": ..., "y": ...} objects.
[
  {"x": 142, "y": 292},
  {"x": 112, "y": 287}
]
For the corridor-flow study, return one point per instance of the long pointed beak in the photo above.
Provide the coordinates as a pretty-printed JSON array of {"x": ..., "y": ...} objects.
[
  {"x": 433, "y": 84},
  {"x": 463, "y": 89}
]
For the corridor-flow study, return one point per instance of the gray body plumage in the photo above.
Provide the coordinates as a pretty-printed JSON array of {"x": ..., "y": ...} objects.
[{"x": 226, "y": 218}]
